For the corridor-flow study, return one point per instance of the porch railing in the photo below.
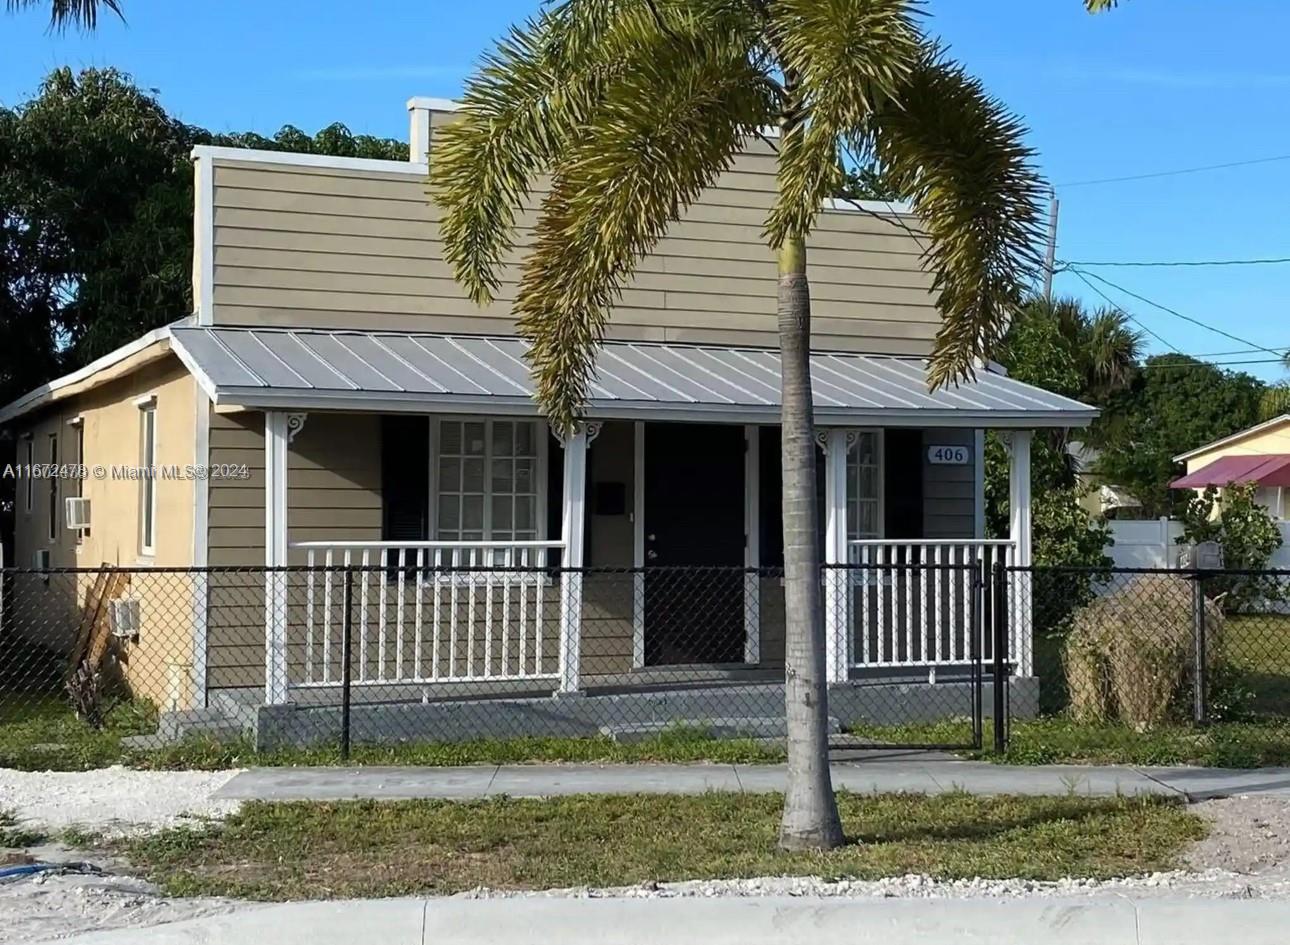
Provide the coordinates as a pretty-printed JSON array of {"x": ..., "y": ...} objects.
[
  {"x": 911, "y": 602},
  {"x": 429, "y": 612}
]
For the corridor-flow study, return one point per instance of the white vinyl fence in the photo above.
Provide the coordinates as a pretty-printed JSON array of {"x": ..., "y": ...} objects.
[{"x": 1153, "y": 543}]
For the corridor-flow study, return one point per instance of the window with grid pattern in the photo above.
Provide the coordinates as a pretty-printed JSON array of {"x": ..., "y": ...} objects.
[
  {"x": 486, "y": 482},
  {"x": 864, "y": 488}
]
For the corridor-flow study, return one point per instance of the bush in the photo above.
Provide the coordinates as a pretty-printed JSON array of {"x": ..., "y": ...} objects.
[
  {"x": 1249, "y": 537},
  {"x": 1129, "y": 653}
]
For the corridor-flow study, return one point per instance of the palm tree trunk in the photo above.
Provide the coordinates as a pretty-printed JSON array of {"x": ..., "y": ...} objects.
[{"x": 810, "y": 809}]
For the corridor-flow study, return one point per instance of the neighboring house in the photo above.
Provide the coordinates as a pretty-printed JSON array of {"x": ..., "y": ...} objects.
[
  {"x": 1095, "y": 496},
  {"x": 354, "y": 408},
  {"x": 1259, "y": 455}
]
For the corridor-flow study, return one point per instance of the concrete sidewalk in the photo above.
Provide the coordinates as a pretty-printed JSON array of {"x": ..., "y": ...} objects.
[
  {"x": 884, "y": 772},
  {"x": 728, "y": 922}
]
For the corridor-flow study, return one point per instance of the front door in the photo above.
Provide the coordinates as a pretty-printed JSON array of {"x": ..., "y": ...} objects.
[{"x": 694, "y": 543}]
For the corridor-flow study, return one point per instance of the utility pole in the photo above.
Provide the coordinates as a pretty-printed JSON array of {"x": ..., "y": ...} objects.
[{"x": 1050, "y": 258}]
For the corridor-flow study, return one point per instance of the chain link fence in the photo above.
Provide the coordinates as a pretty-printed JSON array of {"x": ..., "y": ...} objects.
[
  {"x": 1159, "y": 665},
  {"x": 100, "y": 664}
]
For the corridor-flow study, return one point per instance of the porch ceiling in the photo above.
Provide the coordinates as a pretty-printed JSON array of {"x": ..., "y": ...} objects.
[{"x": 308, "y": 369}]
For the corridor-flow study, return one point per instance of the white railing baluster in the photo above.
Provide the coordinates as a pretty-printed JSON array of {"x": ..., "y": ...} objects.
[
  {"x": 436, "y": 588},
  {"x": 326, "y": 666},
  {"x": 922, "y": 619},
  {"x": 507, "y": 579},
  {"x": 362, "y": 614},
  {"x": 309, "y": 617},
  {"x": 418, "y": 588}
]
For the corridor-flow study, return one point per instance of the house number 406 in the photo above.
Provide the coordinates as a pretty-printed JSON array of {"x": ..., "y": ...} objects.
[{"x": 949, "y": 455}]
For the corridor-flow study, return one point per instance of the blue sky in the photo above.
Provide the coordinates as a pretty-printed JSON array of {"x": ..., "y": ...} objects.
[{"x": 1158, "y": 85}]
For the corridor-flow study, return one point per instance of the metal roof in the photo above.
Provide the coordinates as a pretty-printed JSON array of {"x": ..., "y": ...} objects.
[
  {"x": 1268, "y": 469},
  {"x": 312, "y": 369}
]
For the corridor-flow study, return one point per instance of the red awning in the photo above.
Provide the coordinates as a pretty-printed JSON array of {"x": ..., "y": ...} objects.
[{"x": 1266, "y": 470}]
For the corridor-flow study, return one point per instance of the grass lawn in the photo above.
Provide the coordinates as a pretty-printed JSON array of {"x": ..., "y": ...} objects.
[
  {"x": 366, "y": 849},
  {"x": 41, "y": 734},
  {"x": 1061, "y": 741}
]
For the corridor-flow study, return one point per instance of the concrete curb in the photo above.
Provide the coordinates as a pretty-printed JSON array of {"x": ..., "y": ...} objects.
[{"x": 729, "y": 922}]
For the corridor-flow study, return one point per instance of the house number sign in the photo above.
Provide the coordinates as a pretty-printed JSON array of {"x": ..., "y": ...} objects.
[{"x": 949, "y": 455}]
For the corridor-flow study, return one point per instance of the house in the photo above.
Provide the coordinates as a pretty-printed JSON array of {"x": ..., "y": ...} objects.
[
  {"x": 1100, "y": 499},
  {"x": 1259, "y": 455},
  {"x": 346, "y": 413}
]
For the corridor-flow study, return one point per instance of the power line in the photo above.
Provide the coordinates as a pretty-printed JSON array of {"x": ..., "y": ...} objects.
[
  {"x": 1199, "y": 362},
  {"x": 1180, "y": 263},
  {"x": 1178, "y": 314},
  {"x": 1174, "y": 173},
  {"x": 1119, "y": 308}
]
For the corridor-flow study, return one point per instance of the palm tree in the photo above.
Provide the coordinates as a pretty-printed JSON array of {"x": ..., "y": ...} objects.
[
  {"x": 633, "y": 108},
  {"x": 65, "y": 13}
]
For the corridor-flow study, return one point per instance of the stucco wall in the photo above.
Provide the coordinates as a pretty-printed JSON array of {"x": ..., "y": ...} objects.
[{"x": 159, "y": 665}]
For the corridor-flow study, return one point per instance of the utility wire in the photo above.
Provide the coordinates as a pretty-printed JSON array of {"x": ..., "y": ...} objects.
[
  {"x": 1178, "y": 314},
  {"x": 1174, "y": 173},
  {"x": 1120, "y": 308},
  {"x": 1179, "y": 263}
]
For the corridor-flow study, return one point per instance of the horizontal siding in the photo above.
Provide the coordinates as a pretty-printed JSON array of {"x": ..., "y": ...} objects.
[
  {"x": 331, "y": 247},
  {"x": 333, "y": 493},
  {"x": 949, "y": 492}
]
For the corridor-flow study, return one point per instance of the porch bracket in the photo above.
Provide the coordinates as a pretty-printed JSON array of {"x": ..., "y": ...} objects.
[
  {"x": 276, "y": 438},
  {"x": 837, "y": 443},
  {"x": 295, "y": 423},
  {"x": 572, "y": 531}
]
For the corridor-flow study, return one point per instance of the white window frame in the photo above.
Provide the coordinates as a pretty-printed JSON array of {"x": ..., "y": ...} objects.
[
  {"x": 51, "y": 441},
  {"x": 31, "y": 480},
  {"x": 78, "y": 425},
  {"x": 880, "y": 476},
  {"x": 147, "y": 484},
  {"x": 541, "y": 471}
]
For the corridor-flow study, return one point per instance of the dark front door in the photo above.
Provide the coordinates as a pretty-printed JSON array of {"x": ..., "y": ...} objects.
[{"x": 694, "y": 543}]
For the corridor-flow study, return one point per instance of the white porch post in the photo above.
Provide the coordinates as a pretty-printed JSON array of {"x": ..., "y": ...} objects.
[
  {"x": 275, "y": 556},
  {"x": 837, "y": 443},
  {"x": 572, "y": 525},
  {"x": 1020, "y": 530}
]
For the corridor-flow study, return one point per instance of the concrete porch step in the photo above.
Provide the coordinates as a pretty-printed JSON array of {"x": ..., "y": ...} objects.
[{"x": 746, "y": 727}]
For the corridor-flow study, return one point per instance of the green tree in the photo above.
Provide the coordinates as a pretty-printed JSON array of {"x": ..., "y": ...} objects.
[
  {"x": 65, "y": 13},
  {"x": 1176, "y": 403},
  {"x": 96, "y": 207},
  {"x": 633, "y": 108}
]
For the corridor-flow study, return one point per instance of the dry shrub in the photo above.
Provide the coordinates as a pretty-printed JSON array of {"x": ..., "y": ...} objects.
[{"x": 1130, "y": 652}]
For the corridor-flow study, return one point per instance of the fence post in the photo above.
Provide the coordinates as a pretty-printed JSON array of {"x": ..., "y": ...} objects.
[
  {"x": 999, "y": 600},
  {"x": 1199, "y": 670},
  {"x": 976, "y": 647},
  {"x": 346, "y": 644}
]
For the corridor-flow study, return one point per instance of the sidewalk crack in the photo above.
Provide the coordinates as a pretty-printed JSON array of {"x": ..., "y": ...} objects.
[
  {"x": 488, "y": 788},
  {"x": 1187, "y": 798},
  {"x": 738, "y": 780}
]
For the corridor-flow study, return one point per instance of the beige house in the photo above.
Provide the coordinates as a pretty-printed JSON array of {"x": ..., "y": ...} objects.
[
  {"x": 1258, "y": 455},
  {"x": 339, "y": 403}
]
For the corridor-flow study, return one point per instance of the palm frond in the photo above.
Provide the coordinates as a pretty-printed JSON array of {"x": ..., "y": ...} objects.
[
  {"x": 842, "y": 57},
  {"x": 64, "y": 13},
  {"x": 960, "y": 156},
  {"x": 668, "y": 126},
  {"x": 1097, "y": 6}
]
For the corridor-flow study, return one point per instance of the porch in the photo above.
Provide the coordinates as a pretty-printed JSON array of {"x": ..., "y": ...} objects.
[{"x": 413, "y": 504}]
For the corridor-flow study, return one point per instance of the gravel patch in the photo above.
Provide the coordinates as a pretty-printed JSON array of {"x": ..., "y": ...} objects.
[
  {"x": 50, "y": 907},
  {"x": 113, "y": 801},
  {"x": 1247, "y": 835}
]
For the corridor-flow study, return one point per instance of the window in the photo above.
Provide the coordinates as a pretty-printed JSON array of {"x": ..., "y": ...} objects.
[
  {"x": 53, "y": 486},
  {"x": 147, "y": 484},
  {"x": 31, "y": 480},
  {"x": 486, "y": 482},
  {"x": 864, "y": 487},
  {"x": 79, "y": 482}
]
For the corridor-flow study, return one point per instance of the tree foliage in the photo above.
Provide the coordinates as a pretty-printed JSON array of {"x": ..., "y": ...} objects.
[
  {"x": 96, "y": 205},
  {"x": 1248, "y": 535},
  {"x": 1176, "y": 403},
  {"x": 64, "y": 13}
]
